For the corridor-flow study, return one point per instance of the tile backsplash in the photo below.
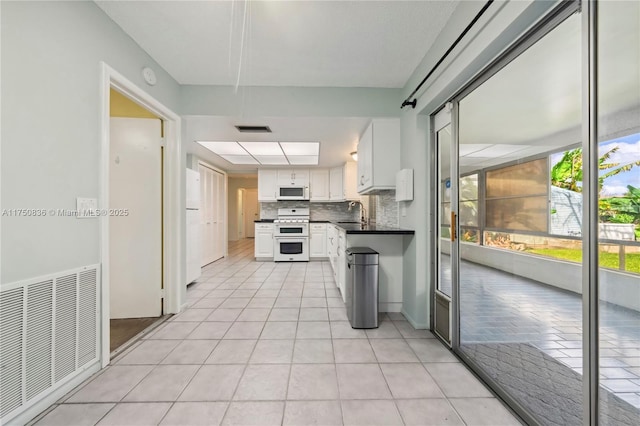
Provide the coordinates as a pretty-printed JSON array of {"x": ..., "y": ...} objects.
[
  {"x": 317, "y": 211},
  {"x": 385, "y": 212},
  {"x": 386, "y": 208}
]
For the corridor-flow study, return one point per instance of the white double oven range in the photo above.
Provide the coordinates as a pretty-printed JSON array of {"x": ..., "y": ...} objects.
[{"x": 291, "y": 235}]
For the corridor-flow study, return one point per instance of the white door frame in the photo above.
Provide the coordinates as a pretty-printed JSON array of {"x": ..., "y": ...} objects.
[{"x": 173, "y": 211}]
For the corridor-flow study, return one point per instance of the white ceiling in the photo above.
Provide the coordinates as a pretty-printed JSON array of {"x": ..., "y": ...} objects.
[
  {"x": 285, "y": 43},
  {"x": 533, "y": 105}
]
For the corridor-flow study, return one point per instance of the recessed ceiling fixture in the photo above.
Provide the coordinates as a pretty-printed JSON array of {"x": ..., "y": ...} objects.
[
  {"x": 266, "y": 153},
  {"x": 253, "y": 129}
]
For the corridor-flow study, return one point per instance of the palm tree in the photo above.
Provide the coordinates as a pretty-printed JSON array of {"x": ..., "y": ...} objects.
[{"x": 567, "y": 173}]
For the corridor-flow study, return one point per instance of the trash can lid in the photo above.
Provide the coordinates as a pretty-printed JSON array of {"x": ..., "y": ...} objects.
[{"x": 361, "y": 250}]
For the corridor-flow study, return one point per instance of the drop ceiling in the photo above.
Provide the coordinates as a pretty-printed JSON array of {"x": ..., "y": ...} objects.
[{"x": 338, "y": 136}]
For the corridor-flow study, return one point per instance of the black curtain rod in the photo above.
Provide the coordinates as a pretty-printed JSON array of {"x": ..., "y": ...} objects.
[{"x": 453, "y": 46}]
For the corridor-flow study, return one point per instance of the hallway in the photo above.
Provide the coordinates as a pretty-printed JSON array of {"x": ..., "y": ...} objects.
[{"x": 269, "y": 343}]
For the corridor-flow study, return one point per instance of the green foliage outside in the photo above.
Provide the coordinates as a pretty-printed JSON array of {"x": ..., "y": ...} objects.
[
  {"x": 607, "y": 260},
  {"x": 567, "y": 174}
]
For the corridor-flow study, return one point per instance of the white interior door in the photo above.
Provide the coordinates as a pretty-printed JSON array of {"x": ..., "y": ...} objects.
[
  {"x": 212, "y": 223},
  {"x": 250, "y": 211},
  {"x": 135, "y": 238}
]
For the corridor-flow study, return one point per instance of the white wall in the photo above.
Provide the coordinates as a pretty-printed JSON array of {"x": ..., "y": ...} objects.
[
  {"x": 501, "y": 25},
  {"x": 289, "y": 101},
  {"x": 51, "y": 53}
]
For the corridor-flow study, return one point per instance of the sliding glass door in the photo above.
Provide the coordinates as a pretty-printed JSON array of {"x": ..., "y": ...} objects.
[
  {"x": 444, "y": 214},
  {"x": 617, "y": 157},
  {"x": 537, "y": 221}
]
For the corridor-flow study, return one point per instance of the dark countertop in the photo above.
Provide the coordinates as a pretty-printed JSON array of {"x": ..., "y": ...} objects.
[{"x": 356, "y": 228}]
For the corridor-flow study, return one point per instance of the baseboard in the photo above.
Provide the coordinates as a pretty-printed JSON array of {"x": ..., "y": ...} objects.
[
  {"x": 417, "y": 325},
  {"x": 390, "y": 306}
]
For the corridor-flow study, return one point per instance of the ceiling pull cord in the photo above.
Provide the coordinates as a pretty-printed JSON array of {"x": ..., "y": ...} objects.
[{"x": 244, "y": 23}]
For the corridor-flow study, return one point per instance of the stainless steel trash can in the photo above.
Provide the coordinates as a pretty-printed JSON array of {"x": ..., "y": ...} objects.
[{"x": 362, "y": 287}]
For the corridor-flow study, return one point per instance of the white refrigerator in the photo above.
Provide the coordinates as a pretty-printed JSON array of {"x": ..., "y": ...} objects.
[{"x": 194, "y": 243}]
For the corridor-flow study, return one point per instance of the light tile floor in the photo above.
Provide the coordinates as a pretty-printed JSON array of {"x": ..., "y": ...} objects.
[
  {"x": 269, "y": 344},
  {"x": 498, "y": 307}
]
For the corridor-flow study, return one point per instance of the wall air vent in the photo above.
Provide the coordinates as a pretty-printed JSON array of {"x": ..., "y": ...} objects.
[{"x": 253, "y": 129}]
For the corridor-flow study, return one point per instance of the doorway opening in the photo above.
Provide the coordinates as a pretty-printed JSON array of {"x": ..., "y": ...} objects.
[
  {"x": 244, "y": 208},
  {"x": 140, "y": 229},
  {"x": 135, "y": 228}
]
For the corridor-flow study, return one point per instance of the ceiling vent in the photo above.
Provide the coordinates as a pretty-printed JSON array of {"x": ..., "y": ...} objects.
[{"x": 253, "y": 129}]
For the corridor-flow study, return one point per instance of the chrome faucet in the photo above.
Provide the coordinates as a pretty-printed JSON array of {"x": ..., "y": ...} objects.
[{"x": 363, "y": 212}]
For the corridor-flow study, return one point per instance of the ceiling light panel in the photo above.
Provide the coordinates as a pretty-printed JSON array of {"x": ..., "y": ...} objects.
[
  {"x": 309, "y": 160},
  {"x": 240, "y": 159},
  {"x": 272, "y": 159},
  {"x": 300, "y": 148},
  {"x": 262, "y": 148},
  {"x": 223, "y": 148},
  {"x": 500, "y": 150}
]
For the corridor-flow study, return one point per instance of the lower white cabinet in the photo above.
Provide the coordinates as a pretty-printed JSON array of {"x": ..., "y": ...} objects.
[
  {"x": 336, "y": 246},
  {"x": 263, "y": 240},
  {"x": 318, "y": 240},
  {"x": 341, "y": 267}
]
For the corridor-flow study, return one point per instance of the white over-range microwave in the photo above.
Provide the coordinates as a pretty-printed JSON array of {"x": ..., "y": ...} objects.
[{"x": 293, "y": 193}]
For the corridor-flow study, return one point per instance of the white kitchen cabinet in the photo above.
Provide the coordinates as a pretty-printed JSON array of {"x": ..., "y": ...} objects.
[
  {"x": 319, "y": 185},
  {"x": 336, "y": 246},
  {"x": 267, "y": 184},
  {"x": 332, "y": 249},
  {"x": 379, "y": 155},
  {"x": 263, "y": 240},
  {"x": 350, "y": 181},
  {"x": 336, "y": 185},
  {"x": 342, "y": 182},
  {"x": 341, "y": 273},
  {"x": 293, "y": 177},
  {"x": 318, "y": 240}
]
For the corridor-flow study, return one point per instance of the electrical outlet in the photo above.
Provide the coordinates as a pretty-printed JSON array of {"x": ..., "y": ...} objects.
[{"x": 86, "y": 208}]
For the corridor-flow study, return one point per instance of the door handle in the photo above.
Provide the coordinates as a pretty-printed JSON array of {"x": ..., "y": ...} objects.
[{"x": 453, "y": 226}]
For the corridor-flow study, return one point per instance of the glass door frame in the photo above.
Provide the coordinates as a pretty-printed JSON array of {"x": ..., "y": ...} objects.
[
  {"x": 446, "y": 116},
  {"x": 590, "y": 272}
]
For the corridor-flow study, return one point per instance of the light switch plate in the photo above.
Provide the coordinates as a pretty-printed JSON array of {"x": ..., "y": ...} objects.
[{"x": 86, "y": 208}]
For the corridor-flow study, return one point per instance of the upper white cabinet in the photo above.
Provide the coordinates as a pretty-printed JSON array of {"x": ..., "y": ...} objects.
[
  {"x": 379, "y": 155},
  {"x": 350, "y": 180},
  {"x": 267, "y": 184},
  {"x": 336, "y": 186},
  {"x": 293, "y": 177},
  {"x": 319, "y": 186},
  {"x": 342, "y": 182}
]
